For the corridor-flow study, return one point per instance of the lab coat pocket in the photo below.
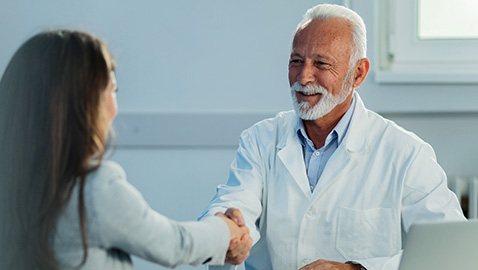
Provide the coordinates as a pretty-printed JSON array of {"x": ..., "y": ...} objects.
[{"x": 369, "y": 233}]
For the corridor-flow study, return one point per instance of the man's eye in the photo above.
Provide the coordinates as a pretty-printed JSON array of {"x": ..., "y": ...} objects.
[
  {"x": 321, "y": 64},
  {"x": 295, "y": 62}
]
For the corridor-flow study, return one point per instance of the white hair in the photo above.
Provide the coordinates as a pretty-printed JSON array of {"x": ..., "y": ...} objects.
[{"x": 359, "y": 32}]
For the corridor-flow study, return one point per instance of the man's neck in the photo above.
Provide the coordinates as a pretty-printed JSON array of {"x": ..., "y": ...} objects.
[{"x": 319, "y": 129}]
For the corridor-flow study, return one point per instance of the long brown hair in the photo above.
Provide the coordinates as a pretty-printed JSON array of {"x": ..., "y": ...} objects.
[{"x": 50, "y": 129}]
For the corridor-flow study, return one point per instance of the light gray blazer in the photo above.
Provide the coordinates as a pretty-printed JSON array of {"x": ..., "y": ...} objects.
[{"x": 119, "y": 222}]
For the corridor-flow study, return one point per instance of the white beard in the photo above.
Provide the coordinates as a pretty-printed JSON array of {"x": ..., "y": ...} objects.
[{"x": 326, "y": 103}]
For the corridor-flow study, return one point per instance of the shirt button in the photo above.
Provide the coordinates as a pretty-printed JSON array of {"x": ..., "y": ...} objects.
[{"x": 317, "y": 153}]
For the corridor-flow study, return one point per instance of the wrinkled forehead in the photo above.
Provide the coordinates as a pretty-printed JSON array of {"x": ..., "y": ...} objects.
[
  {"x": 333, "y": 35},
  {"x": 330, "y": 28}
]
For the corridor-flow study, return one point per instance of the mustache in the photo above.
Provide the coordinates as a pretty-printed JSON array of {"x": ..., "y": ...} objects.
[{"x": 309, "y": 89}]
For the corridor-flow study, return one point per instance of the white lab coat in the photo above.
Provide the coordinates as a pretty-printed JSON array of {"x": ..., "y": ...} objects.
[{"x": 379, "y": 181}]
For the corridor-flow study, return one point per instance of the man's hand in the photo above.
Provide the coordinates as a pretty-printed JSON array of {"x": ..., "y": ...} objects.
[
  {"x": 330, "y": 265},
  {"x": 236, "y": 215},
  {"x": 241, "y": 241}
]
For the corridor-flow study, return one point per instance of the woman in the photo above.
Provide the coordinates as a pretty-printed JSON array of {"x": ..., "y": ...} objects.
[{"x": 62, "y": 206}]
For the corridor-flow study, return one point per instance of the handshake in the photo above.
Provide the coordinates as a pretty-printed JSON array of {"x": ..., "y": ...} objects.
[{"x": 241, "y": 241}]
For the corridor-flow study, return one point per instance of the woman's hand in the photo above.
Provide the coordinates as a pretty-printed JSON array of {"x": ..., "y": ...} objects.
[{"x": 240, "y": 242}]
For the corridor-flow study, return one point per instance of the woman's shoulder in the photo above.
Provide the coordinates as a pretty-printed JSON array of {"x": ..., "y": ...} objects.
[
  {"x": 107, "y": 169},
  {"x": 107, "y": 188},
  {"x": 108, "y": 173}
]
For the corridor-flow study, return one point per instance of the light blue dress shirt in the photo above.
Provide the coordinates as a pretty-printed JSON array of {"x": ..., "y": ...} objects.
[{"x": 316, "y": 159}]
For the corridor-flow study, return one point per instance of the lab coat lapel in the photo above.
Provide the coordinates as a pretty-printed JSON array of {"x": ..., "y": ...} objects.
[
  {"x": 354, "y": 142},
  {"x": 290, "y": 153},
  {"x": 336, "y": 165}
]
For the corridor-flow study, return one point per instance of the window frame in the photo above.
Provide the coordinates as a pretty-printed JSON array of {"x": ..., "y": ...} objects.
[{"x": 404, "y": 58}]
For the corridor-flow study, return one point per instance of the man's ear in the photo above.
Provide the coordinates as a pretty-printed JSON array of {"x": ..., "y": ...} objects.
[{"x": 361, "y": 71}]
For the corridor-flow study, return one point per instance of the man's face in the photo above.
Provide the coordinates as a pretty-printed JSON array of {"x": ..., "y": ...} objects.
[{"x": 320, "y": 59}]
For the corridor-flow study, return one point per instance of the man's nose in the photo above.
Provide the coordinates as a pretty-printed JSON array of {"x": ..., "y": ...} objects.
[{"x": 306, "y": 75}]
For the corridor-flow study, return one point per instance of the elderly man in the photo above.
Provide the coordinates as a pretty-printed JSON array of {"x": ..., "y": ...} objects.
[{"x": 332, "y": 185}]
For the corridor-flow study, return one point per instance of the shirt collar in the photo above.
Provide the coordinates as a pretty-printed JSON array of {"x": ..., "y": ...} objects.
[
  {"x": 339, "y": 130},
  {"x": 344, "y": 123}
]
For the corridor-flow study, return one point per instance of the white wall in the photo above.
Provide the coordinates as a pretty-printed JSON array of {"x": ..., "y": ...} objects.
[
  {"x": 193, "y": 74},
  {"x": 177, "y": 56}
]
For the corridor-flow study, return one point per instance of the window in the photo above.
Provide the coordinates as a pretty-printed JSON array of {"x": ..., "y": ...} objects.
[
  {"x": 445, "y": 19},
  {"x": 427, "y": 41}
]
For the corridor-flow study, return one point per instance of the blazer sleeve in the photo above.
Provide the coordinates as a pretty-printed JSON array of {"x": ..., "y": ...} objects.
[{"x": 125, "y": 221}]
